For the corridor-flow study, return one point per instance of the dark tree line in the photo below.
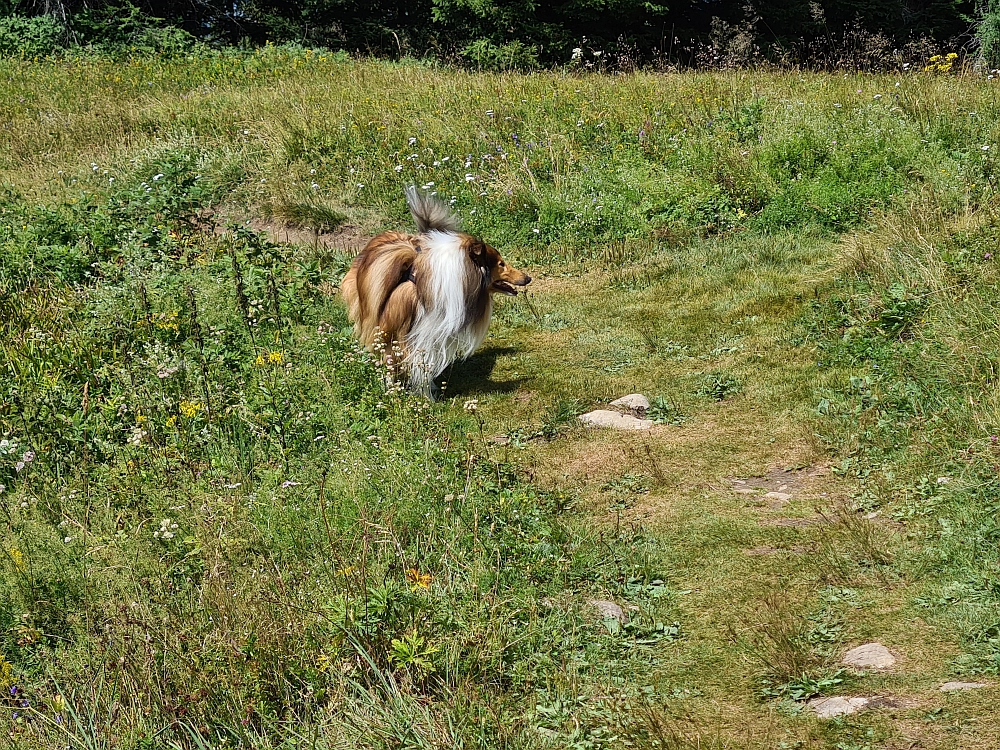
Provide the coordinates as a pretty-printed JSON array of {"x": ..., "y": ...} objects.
[{"x": 509, "y": 33}]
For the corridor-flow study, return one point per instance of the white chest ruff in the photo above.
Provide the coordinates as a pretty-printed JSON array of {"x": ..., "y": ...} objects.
[{"x": 444, "y": 330}]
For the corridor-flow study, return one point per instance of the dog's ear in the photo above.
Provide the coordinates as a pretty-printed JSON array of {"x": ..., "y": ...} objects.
[{"x": 477, "y": 249}]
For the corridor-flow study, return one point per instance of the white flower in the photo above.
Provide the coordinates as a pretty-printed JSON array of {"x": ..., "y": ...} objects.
[
  {"x": 427, "y": 186},
  {"x": 157, "y": 177},
  {"x": 837, "y": 106},
  {"x": 312, "y": 171},
  {"x": 315, "y": 186},
  {"x": 412, "y": 140},
  {"x": 577, "y": 53},
  {"x": 985, "y": 148},
  {"x": 469, "y": 177},
  {"x": 398, "y": 167},
  {"x": 233, "y": 486},
  {"x": 877, "y": 96},
  {"x": 536, "y": 230},
  {"x": 471, "y": 405}
]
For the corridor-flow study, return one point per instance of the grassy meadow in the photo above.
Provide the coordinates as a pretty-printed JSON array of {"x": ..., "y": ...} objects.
[{"x": 220, "y": 529}]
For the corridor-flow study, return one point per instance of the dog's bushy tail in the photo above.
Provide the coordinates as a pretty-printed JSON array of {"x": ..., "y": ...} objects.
[{"x": 430, "y": 213}]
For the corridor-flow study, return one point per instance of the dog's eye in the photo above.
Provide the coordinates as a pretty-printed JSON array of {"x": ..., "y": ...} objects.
[{"x": 502, "y": 264}]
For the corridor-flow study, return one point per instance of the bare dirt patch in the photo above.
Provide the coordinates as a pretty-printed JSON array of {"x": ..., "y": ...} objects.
[{"x": 346, "y": 237}]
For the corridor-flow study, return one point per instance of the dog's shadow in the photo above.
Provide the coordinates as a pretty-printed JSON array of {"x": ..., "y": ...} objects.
[{"x": 474, "y": 376}]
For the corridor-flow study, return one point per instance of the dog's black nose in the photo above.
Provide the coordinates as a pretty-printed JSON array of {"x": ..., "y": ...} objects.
[{"x": 527, "y": 280}]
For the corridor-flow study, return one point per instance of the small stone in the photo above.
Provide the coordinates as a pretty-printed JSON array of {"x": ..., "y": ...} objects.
[
  {"x": 781, "y": 497},
  {"x": 609, "y": 610},
  {"x": 745, "y": 490},
  {"x": 869, "y": 656},
  {"x": 838, "y": 705},
  {"x": 635, "y": 403},
  {"x": 949, "y": 686},
  {"x": 614, "y": 420}
]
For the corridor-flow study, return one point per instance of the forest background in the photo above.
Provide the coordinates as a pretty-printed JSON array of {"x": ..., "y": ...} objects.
[{"x": 525, "y": 34}]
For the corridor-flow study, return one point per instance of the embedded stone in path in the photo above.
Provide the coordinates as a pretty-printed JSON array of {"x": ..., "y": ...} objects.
[
  {"x": 949, "y": 686},
  {"x": 869, "y": 656},
  {"x": 838, "y": 705},
  {"x": 635, "y": 403},
  {"x": 615, "y": 420}
]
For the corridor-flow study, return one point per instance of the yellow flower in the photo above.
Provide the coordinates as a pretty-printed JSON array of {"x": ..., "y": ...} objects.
[
  {"x": 418, "y": 580},
  {"x": 6, "y": 673},
  {"x": 190, "y": 409},
  {"x": 18, "y": 559},
  {"x": 276, "y": 357},
  {"x": 171, "y": 420},
  {"x": 259, "y": 361},
  {"x": 58, "y": 703}
]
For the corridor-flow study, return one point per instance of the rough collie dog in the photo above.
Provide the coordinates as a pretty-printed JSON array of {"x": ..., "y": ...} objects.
[{"x": 425, "y": 300}]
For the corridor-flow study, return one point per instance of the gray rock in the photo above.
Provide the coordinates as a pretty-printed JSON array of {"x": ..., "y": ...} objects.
[
  {"x": 838, "y": 705},
  {"x": 635, "y": 403},
  {"x": 949, "y": 686},
  {"x": 609, "y": 610},
  {"x": 869, "y": 656},
  {"x": 614, "y": 420},
  {"x": 781, "y": 497}
]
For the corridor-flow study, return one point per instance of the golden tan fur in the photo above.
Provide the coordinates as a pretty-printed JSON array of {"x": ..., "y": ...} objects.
[{"x": 395, "y": 284}]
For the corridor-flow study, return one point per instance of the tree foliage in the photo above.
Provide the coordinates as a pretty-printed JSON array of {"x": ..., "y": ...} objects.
[{"x": 499, "y": 33}]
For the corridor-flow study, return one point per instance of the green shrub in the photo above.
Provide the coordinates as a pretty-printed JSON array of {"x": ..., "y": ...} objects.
[{"x": 35, "y": 36}]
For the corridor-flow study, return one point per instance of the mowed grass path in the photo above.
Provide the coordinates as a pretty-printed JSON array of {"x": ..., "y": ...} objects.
[{"x": 687, "y": 234}]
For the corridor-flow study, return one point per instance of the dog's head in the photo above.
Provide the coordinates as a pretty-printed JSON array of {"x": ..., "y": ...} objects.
[{"x": 499, "y": 276}]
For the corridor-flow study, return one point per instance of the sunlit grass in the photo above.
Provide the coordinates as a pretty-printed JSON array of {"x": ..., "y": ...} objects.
[{"x": 229, "y": 531}]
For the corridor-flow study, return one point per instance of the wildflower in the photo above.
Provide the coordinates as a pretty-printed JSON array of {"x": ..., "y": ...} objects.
[
  {"x": 157, "y": 177},
  {"x": 289, "y": 483},
  {"x": 418, "y": 580},
  {"x": 312, "y": 171},
  {"x": 190, "y": 409},
  {"x": 17, "y": 557},
  {"x": 471, "y": 406},
  {"x": 233, "y": 486},
  {"x": 171, "y": 420},
  {"x": 577, "y": 53},
  {"x": 470, "y": 177},
  {"x": 276, "y": 357},
  {"x": 412, "y": 140},
  {"x": 315, "y": 186},
  {"x": 985, "y": 148},
  {"x": 166, "y": 530},
  {"x": 398, "y": 168}
]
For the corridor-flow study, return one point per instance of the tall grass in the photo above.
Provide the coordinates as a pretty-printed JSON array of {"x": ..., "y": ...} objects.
[{"x": 219, "y": 526}]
